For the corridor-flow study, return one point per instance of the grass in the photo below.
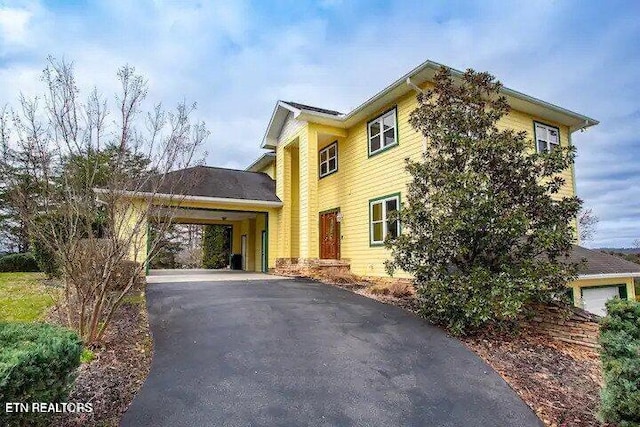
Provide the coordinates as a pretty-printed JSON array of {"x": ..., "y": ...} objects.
[{"x": 23, "y": 297}]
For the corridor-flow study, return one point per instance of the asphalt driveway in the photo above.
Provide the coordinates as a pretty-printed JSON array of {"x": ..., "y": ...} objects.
[{"x": 295, "y": 353}]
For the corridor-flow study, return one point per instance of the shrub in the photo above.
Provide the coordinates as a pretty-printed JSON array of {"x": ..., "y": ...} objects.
[
  {"x": 395, "y": 288},
  {"x": 620, "y": 354},
  {"x": 400, "y": 289},
  {"x": 45, "y": 258},
  {"x": 216, "y": 242},
  {"x": 87, "y": 356},
  {"x": 13, "y": 263},
  {"x": 37, "y": 362},
  {"x": 379, "y": 289}
]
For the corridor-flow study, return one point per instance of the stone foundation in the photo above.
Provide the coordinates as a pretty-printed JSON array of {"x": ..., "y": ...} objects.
[
  {"x": 568, "y": 324},
  {"x": 302, "y": 266}
]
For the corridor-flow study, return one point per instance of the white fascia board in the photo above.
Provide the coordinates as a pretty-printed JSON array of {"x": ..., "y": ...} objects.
[
  {"x": 270, "y": 138},
  {"x": 178, "y": 197},
  {"x": 609, "y": 275},
  {"x": 425, "y": 72},
  {"x": 261, "y": 161}
]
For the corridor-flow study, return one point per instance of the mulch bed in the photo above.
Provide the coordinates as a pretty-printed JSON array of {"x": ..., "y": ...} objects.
[
  {"x": 121, "y": 365},
  {"x": 559, "y": 381}
]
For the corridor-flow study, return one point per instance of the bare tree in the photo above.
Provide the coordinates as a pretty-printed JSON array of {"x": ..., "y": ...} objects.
[
  {"x": 94, "y": 216},
  {"x": 587, "y": 224}
]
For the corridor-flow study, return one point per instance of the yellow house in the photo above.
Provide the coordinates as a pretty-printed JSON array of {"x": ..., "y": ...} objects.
[{"x": 337, "y": 175}]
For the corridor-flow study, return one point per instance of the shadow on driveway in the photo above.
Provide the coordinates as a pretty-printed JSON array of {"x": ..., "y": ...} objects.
[{"x": 294, "y": 352}]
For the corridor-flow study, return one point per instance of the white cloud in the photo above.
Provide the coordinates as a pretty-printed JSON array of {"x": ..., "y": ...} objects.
[
  {"x": 236, "y": 61},
  {"x": 13, "y": 25}
]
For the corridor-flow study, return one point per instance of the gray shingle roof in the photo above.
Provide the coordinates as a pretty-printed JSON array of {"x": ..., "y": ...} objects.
[
  {"x": 601, "y": 263},
  {"x": 312, "y": 108},
  {"x": 209, "y": 181}
]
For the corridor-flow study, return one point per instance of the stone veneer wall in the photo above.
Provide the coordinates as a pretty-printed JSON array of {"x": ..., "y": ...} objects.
[
  {"x": 568, "y": 324},
  {"x": 295, "y": 266}
]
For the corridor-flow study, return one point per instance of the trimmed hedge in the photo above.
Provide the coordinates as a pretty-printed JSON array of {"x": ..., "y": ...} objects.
[
  {"x": 15, "y": 263},
  {"x": 45, "y": 259},
  {"x": 37, "y": 364},
  {"x": 620, "y": 354}
]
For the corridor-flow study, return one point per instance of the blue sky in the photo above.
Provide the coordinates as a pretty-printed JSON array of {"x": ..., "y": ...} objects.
[{"x": 236, "y": 58}]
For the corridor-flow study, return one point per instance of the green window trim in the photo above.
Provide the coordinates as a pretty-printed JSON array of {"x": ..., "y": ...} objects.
[
  {"x": 535, "y": 134},
  {"x": 384, "y": 220},
  {"x": 327, "y": 162},
  {"x": 381, "y": 133},
  {"x": 622, "y": 291}
]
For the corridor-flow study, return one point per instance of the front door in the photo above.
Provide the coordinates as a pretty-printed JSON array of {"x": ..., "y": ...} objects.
[{"x": 329, "y": 235}]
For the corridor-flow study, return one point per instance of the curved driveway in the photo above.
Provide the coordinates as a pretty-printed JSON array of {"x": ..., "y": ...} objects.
[{"x": 295, "y": 353}]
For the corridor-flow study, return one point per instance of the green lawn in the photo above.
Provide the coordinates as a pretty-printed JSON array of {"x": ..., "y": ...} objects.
[{"x": 23, "y": 297}]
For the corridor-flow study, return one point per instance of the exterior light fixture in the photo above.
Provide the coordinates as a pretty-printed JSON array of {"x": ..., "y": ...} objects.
[{"x": 339, "y": 217}]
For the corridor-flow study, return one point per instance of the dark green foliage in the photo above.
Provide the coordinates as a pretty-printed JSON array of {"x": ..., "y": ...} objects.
[
  {"x": 164, "y": 255},
  {"x": 486, "y": 229},
  {"x": 37, "y": 364},
  {"x": 24, "y": 262},
  {"x": 45, "y": 258},
  {"x": 620, "y": 354},
  {"x": 216, "y": 246}
]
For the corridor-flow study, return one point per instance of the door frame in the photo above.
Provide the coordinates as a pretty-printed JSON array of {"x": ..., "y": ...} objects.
[
  {"x": 263, "y": 256},
  {"x": 328, "y": 211},
  {"x": 244, "y": 250}
]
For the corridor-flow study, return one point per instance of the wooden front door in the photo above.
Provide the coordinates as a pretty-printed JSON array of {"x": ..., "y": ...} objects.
[{"x": 329, "y": 235}]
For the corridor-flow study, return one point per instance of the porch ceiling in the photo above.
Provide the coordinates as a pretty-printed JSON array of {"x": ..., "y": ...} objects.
[{"x": 185, "y": 215}]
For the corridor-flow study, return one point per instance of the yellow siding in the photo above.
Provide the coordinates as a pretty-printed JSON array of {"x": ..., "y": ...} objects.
[
  {"x": 361, "y": 178},
  {"x": 293, "y": 137},
  {"x": 269, "y": 169},
  {"x": 131, "y": 226},
  {"x": 295, "y": 201},
  {"x": 309, "y": 194}
]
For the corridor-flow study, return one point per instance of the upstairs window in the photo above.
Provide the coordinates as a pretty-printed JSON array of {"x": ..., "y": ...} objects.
[
  {"x": 328, "y": 158},
  {"x": 382, "y": 132},
  {"x": 547, "y": 137},
  {"x": 381, "y": 223}
]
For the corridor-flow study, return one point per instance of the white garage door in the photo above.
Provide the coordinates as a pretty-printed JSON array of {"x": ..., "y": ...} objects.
[{"x": 593, "y": 299}]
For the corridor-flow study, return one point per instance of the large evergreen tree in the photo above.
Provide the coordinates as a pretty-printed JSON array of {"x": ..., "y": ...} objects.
[{"x": 485, "y": 226}]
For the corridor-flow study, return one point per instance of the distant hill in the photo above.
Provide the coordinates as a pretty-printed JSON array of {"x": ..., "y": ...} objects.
[
  {"x": 630, "y": 254},
  {"x": 620, "y": 250}
]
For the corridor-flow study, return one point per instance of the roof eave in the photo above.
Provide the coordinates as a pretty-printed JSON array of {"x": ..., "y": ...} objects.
[
  {"x": 177, "y": 198},
  {"x": 270, "y": 138},
  {"x": 425, "y": 72},
  {"x": 609, "y": 275},
  {"x": 261, "y": 161}
]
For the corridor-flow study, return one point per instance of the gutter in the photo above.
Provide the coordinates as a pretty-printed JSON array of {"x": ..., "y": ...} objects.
[
  {"x": 179, "y": 198},
  {"x": 609, "y": 275}
]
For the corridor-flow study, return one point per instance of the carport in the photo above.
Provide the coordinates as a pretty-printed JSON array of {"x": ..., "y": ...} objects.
[
  {"x": 249, "y": 230},
  {"x": 244, "y": 201}
]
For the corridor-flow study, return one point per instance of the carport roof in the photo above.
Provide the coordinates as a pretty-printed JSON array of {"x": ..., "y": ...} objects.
[{"x": 220, "y": 183}]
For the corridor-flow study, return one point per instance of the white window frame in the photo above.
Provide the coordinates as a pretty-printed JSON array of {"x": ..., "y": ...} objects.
[
  {"x": 379, "y": 120},
  {"x": 327, "y": 160},
  {"x": 384, "y": 220},
  {"x": 541, "y": 133}
]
